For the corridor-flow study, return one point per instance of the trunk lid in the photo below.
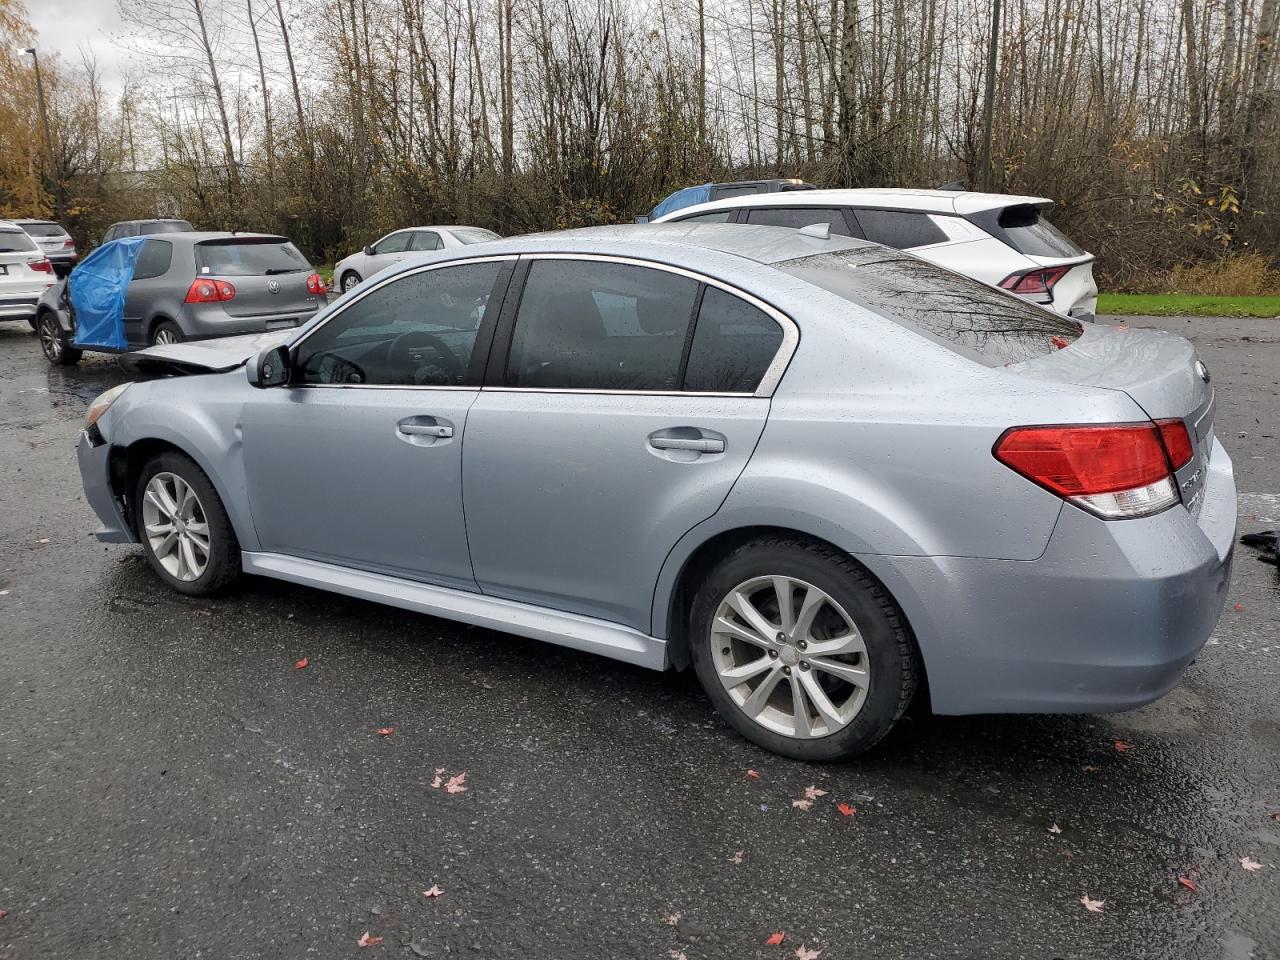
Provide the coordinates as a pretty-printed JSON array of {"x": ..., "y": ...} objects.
[{"x": 1159, "y": 371}]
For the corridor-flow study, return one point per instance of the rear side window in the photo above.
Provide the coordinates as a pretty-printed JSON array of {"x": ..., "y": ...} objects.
[
  {"x": 733, "y": 345},
  {"x": 426, "y": 240},
  {"x": 153, "y": 259},
  {"x": 715, "y": 216},
  {"x": 474, "y": 235},
  {"x": 797, "y": 217},
  {"x": 977, "y": 321},
  {"x": 588, "y": 325},
  {"x": 249, "y": 258},
  {"x": 900, "y": 229},
  {"x": 1028, "y": 232},
  {"x": 16, "y": 241}
]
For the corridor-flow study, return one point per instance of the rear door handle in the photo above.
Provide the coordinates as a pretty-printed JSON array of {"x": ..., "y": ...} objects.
[{"x": 702, "y": 445}]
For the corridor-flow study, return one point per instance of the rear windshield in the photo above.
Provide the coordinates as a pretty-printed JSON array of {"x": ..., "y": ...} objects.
[
  {"x": 980, "y": 322},
  {"x": 44, "y": 230},
  {"x": 474, "y": 234},
  {"x": 1028, "y": 232},
  {"x": 249, "y": 258},
  {"x": 164, "y": 226},
  {"x": 16, "y": 241}
]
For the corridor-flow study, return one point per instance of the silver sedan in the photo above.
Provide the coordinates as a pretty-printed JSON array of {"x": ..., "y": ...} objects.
[
  {"x": 392, "y": 250},
  {"x": 826, "y": 474}
]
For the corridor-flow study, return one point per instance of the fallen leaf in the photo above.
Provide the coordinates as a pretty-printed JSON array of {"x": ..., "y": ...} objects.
[
  {"x": 813, "y": 793},
  {"x": 671, "y": 919},
  {"x": 1185, "y": 881},
  {"x": 1089, "y": 768},
  {"x": 1055, "y": 829},
  {"x": 437, "y": 780},
  {"x": 1093, "y": 906},
  {"x": 456, "y": 784},
  {"x": 1239, "y": 606},
  {"x": 4, "y": 593},
  {"x": 753, "y": 775},
  {"x": 43, "y": 540},
  {"x": 846, "y": 810},
  {"x": 1122, "y": 746},
  {"x": 1059, "y": 342},
  {"x": 386, "y": 731},
  {"x": 802, "y": 804},
  {"x": 434, "y": 892},
  {"x": 804, "y": 953},
  {"x": 1250, "y": 864},
  {"x": 775, "y": 938},
  {"x": 301, "y": 664},
  {"x": 1276, "y": 817},
  {"x": 677, "y": 955},
  {"x": 1067, "y": 853},
  {"x": 3, "y": 914},
  {"x": 736, "y": 858},
  {"x": 368, "y": 941}
]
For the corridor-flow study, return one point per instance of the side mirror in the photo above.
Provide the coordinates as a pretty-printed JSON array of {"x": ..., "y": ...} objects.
[
  {"x": 270, "y": 368},
  {"x": 368, "y": 251}
]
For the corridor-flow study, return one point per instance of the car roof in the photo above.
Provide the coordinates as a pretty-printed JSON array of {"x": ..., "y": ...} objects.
[
  {"x": 929, "y": 201},
  {"x": 21, "y": 220},
  {"x": 151, "y": 220},
  {"x": 199, "y": 236}
]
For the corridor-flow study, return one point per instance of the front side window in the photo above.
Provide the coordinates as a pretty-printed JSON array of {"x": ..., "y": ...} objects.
[
  {"x": 418, "y": 330},
  {"x": 426, "y": 240},
  {"x": 733, "y": 345},
  {"x": 797, "y": 217},
  {"x": 396, "y": 243},
  {"x": 590, "y": 325},
  {"x": 153, "y": 259},
  {"x": 900, "y": 229}
]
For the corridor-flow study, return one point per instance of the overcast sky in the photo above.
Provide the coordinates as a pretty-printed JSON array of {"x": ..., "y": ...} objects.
[{"x": 65, "y": 26}]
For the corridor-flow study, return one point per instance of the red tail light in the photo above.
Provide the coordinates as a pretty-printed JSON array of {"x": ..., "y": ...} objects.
[
  {"x": 69, "y": 244},
  {"x": 315, "y": 284},
  {"x": 1115, "y": 471},
  {"x": 41, "y": 266},
  {"x": 1035, "y": 283},
  {"x": 210, "y": 291},
  {"x": 1177, "y": 442}
]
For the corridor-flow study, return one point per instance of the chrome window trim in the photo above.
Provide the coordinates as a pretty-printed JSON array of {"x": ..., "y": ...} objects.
[{"x": 772, "y": 374}]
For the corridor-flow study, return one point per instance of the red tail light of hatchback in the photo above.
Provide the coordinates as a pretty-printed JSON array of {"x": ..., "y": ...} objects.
[
  {"x": 315, "y": 284},
  {"x": 1036, "y": 283},
  {"x": 1114, "y": 471},
  {"x": 210, "y": 291}
]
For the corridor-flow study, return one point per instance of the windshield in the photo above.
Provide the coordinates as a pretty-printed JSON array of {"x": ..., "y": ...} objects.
[
  {"x": 249, "y": 257},
  {"x": 44, "y": 230},
  {"x": 1033, "y": 235},
  {"x": 474, "y": 234},
  {"x": 971, "y": 318},
  {"x": 16, "y": 241}
]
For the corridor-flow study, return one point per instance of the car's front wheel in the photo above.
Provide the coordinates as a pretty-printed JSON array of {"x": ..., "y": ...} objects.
[
  {"x": 184, "y": 528},
  {"x": 349, "y": 280},
  {"x": 801, "y": 650},
  {"x": 54, "y": 344}
]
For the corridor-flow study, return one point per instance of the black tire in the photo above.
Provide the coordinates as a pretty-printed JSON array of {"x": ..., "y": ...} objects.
[
  {"x": 892, "y": 659},
  {"x": 169, "y": 328},
  {"x": 54, "y": 344},
  {"x": 349, "y": 280},
  {"x": 223, "y": 559}
]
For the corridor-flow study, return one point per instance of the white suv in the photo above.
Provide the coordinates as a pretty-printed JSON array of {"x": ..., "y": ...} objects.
[
  {"x": 25, "y": 274},
  {"x": 1000, "y": 239}
]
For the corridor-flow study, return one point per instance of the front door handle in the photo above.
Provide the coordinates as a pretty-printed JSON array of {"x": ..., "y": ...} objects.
[
  {"x": 439, "y": 430},
  {"x": 699, "y": 445},
  {"x": 424, "y": 431}
]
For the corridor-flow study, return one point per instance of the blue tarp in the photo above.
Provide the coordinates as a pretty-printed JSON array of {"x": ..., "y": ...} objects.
[
  {"x": 97, "y": 288},
  {"x": 681, "y": 199}
]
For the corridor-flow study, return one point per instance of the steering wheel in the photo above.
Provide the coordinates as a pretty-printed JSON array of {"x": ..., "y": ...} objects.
[
  {"x": 407, "y": 342},
  {"x": 335, "y": 369}
]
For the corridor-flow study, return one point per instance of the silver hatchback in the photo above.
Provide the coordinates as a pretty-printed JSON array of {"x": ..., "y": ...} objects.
[{"x": 826, "y": 474}]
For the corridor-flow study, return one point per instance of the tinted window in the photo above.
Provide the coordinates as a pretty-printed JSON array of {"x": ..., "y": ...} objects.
[
  {"x": 895, "y": 228},
  {"x": 733, "y": 345},
  {"x": 985, "y": 324},
  {"x": 720, "y": 193},
  {"x": 418, "y": 330},
  {"x": 600, "y": 326},
  {"x": 797, "y": 217},
  {"x": 1028, "y": 232},
  {"x": 164, "y": 226},
  {"x": 153, "y": 259},
  {"x": 16, "y": 241},
  {"x": 44, "y": 230},
  {"x": 473, "y": 234},
  {"x": 249, "y": 258},
  {"x": 715, "y": 216},
  {"x": 396, "y": 243},
  {"x": 426, "y": 240}
]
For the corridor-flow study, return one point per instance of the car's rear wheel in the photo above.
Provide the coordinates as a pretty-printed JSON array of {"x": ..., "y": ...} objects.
[
  {"x": 349, "y": 280},
  {"x": 184, "y": 528},
  {"x": 166, "y": 332},
  {"x": 801, "y": 650},
  {"x": 53, "y": 343}
]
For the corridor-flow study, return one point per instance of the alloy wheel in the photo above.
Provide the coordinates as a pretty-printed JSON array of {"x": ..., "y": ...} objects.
[
  {"x": 790, "y": 657},
  {"x": 349, "y": 282},
  {"x": 165, "y": 335},
  {"x": 177, "y": 529},
  {"x": 50, "y": 339}
]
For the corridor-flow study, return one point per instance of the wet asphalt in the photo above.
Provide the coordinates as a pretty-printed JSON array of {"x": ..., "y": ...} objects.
[{"x": 172, "y": 786}]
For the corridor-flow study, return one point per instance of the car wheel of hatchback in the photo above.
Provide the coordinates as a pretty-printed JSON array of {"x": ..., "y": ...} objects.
[
  {"x": 166, "y": 332},
  {"x": 184, "y": 528},
  {"x": 53, "y": 343},
  {"x": 802, "y": 650},
  {"x": 349, "y": 280}
]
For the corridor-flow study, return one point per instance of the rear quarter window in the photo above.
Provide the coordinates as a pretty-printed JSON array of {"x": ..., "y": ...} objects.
[
  {"x": 987, "y": 325},
  {"x": 153, "y": 259},
  {"x": 899, "y": 229},
  {"x": 1029, "y": 233}
]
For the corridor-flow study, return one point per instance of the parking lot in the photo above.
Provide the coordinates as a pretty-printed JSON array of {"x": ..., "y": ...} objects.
[{"x": 174, "y": 785}]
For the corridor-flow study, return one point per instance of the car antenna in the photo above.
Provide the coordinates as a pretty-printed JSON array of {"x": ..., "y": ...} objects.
[{"x": 819, "y": 231}]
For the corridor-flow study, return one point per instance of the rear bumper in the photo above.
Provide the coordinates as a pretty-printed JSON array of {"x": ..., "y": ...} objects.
[
  {"x": 1107, "y": 619},
  {"x": 18, "y": 307},
  {"x": 95, "y": 475},
  {"x": 203, "y": 321}
]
